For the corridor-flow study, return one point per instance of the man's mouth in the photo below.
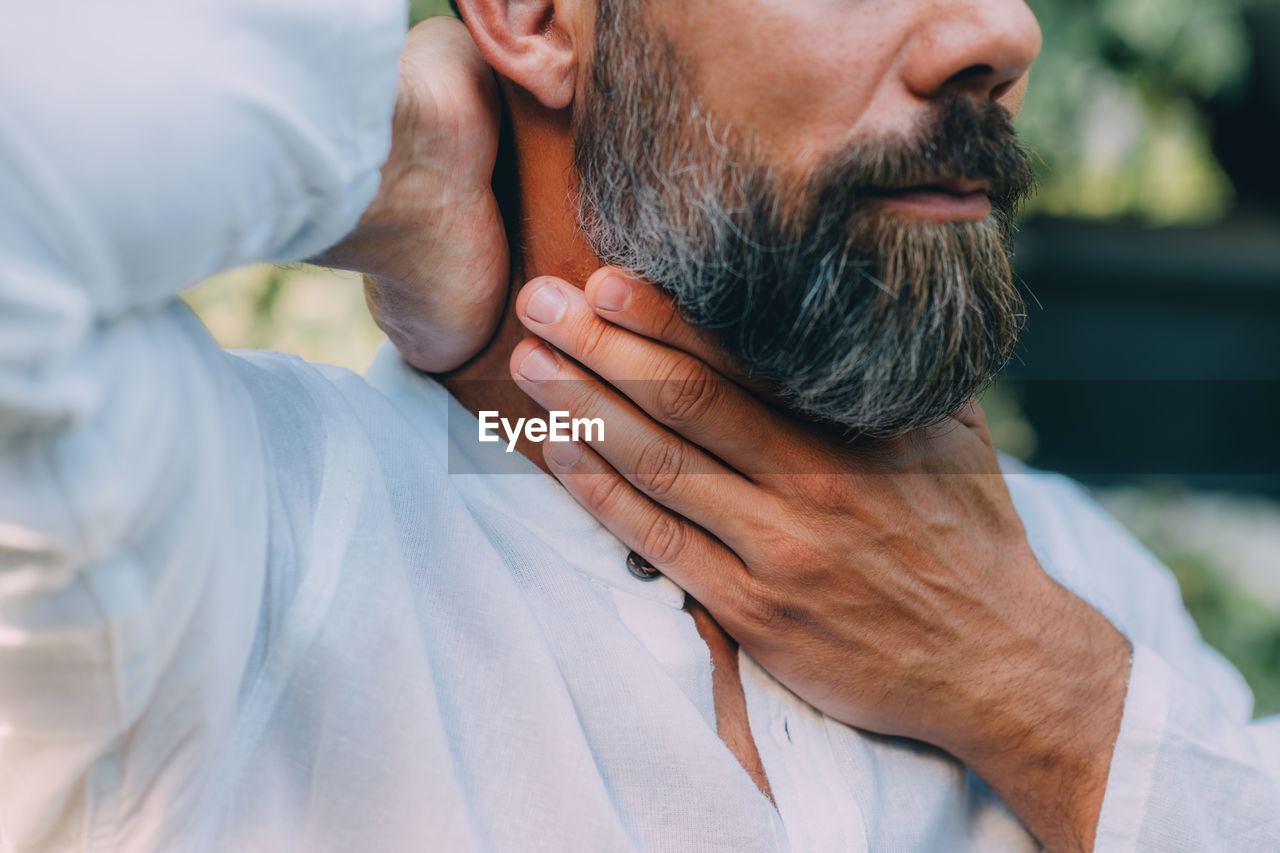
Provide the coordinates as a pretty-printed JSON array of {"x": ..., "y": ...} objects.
[{"x": 949, "y": 200}]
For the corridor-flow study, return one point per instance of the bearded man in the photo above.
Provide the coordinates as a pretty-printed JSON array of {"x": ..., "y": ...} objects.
[{"x": 251, "y": 604}]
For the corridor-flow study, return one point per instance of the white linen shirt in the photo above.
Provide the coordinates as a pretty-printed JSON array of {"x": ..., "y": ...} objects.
[{"x": 245, "y": 606}]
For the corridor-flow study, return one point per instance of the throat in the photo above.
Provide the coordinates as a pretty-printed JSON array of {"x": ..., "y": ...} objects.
[{"x": 544, "y": 239}]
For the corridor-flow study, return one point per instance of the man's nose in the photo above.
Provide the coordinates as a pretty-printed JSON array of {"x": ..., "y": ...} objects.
[{"x": 982, "y": 47}]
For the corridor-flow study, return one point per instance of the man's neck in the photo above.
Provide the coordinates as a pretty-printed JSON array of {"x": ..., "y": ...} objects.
[{"x": 545, "y": 240}]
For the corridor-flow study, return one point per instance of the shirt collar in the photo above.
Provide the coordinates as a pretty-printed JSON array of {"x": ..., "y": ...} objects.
[{"x": 509, "y": 483}]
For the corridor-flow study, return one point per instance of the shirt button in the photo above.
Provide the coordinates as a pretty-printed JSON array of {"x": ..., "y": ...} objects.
[{"x": 641, "y": 568}]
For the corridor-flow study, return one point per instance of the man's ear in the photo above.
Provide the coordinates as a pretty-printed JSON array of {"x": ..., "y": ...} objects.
[{"x": 530, "y": 42}]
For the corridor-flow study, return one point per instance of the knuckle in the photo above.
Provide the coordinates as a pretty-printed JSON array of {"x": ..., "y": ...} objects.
[
  {"x": 661, "y": 465},
  {"x": 604, "y": 493},
  {"x": 670, "y": 324},
  {"x": 686, "y": 393},
  {"x": 665, "y": 540},
  {"x": 594, "y": 338},
  {"x": 794, "y": 555},
  {"x": 758, "y": 608},
  {"x": 819, "y": 489},
  {"x": 581, "y": 396}
]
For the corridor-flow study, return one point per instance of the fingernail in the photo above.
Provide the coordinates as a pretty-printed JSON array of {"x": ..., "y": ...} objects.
[
  {"x": 564, "y": 454},
  {"x": 538, "y": 366},
  {"x": 613, "y": 294},
  {"x": 546, "y": 305}
]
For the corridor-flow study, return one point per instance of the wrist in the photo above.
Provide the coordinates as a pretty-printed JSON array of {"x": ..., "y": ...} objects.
[
  {"x": 1049, "y": 711},
  {"x": 373, "y": 247}
]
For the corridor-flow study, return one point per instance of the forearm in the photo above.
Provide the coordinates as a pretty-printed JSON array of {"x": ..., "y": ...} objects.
[
  {"x": 230, "y": 143},
  {"x": 210, "y": 134},
  {"x": 1189, "y": 764},
  {"x": 1186, "y": 767},
  {"x": 133, "y": 500},
  {"x": 225, "y": 146},
  {"x": 1050, "y": 709}
]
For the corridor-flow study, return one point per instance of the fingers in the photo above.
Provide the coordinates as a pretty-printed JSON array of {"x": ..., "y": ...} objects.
[
  {"x": 639, "y": 306},
  {"x": 673, "y": 387},
  {"x": 432, "y": 242},
  {"x": 634, "y": 304},
  {"x": 679, "y": 549},
  {"x": 660, "y": 463}
]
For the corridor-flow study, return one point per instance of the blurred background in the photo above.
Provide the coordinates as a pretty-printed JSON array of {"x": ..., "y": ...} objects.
[{"x": 1150, "y": 368}]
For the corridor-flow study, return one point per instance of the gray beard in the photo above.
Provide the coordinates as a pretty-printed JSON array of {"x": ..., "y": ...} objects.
[{"x": 870, "y": 322}]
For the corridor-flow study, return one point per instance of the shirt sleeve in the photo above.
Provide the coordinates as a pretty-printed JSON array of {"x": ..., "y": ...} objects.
[
  {"x": 1191, "y": 770},
  {"x": 143, "y": 146},
  {"x": 1188, "y": 771}
]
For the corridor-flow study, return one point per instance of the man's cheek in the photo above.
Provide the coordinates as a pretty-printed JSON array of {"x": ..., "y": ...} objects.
[{"x": 800, "y": 75}]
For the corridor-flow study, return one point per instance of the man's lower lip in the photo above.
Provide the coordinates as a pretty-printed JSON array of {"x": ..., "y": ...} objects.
[{"x": 941, "y": 206}]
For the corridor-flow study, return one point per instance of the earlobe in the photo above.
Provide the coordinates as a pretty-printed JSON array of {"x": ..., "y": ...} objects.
[{"x": 530, "y": 42}]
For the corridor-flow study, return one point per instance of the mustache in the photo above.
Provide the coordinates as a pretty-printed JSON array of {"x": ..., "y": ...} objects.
[
  {"x": 962, "y": 145},
  {"x": 853, "y": 316}
]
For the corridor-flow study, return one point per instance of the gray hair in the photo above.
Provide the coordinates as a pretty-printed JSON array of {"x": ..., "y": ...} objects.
[{"x": 856, "y": 318}]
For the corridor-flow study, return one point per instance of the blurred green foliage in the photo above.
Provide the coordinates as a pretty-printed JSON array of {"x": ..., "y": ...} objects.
[
  {"x": 1116, "y": 105},
  {"x": 1221, "y": 547},
  {"x": 419, "y": 9},
  {"x": 1233, "y": 622}
]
